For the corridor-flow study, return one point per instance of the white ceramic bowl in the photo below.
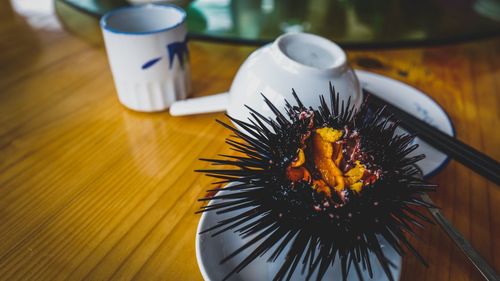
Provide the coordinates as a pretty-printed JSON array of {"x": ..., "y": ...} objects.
[{"x": 304, "y": 62}]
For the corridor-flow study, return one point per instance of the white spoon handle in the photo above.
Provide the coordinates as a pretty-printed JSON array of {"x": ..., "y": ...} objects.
[{"x": 208, "y": 104}]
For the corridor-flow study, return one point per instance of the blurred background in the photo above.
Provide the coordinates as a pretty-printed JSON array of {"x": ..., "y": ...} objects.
[{"x": 351, "y": 23}]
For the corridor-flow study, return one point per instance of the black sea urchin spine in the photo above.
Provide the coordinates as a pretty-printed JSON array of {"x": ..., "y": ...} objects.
[{"x": 274, "y": 212}]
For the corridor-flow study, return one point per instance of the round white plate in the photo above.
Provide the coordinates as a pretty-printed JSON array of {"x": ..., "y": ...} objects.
[
  {"x": 418, "y": 104},
  {"x": 211, "y": 250}
]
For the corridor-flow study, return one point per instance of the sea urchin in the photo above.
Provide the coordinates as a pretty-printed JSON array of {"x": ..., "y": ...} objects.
[{"x": 323, "y": 183}]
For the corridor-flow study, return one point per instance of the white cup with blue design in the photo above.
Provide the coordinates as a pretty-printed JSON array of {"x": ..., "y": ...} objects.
[{"x": 148, "y": 55}]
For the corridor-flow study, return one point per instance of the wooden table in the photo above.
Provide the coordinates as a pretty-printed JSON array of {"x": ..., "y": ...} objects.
[{"x": 91, "y": 190}]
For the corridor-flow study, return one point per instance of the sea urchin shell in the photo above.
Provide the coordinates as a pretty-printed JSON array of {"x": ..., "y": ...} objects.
[{"x": 323, "y": 183}]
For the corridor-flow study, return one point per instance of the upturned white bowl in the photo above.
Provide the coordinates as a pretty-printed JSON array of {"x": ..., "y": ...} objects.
[{"x": 304, "y": 62}]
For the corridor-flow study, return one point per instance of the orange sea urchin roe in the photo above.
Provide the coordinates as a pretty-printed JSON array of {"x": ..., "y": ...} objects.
[
  {"x": 321, "y": 187},
  {"x": 327, "y": 152},
  {"x": 297, "y": 174},
  {"x": 323, "y": 140},
  {"x": 300, "y": 159},
  {"x": 355, "y": 174},
  {"x": 353, "y": 177}
]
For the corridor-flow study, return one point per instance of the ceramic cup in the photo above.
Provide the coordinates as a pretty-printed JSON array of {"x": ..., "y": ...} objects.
[
  {"x": 304, "y": 62},
  {"x": 148, "y": 55}
]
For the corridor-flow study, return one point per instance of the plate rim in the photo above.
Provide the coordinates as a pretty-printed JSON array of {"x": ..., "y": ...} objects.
[{"x": 197, "y": 242}]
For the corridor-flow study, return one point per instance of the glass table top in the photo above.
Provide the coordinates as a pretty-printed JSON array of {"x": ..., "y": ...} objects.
[{"x": 351, "y": 23}]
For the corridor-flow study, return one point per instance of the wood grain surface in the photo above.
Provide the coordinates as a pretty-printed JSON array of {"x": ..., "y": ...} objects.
[{"x": 90, "y": 190}]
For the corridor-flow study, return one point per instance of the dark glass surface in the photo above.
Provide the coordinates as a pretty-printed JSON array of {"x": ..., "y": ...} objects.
[
  {"x": 96, "y": 7},
  {"x": 351, "y": 23}
]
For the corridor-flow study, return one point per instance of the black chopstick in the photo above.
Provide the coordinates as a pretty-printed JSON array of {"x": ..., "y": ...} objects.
[{"x": 463, "y": 153}]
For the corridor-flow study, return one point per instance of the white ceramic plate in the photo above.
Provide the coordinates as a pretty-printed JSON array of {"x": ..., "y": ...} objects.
[
  {"x": 211, "y": 250},
  {"x": 418, "y": 104}
]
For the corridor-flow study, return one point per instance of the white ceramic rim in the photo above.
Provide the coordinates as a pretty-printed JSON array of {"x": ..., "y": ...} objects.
[
  {"x": 201, "y": 265},
  {"x": 104, "y": 22}
]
